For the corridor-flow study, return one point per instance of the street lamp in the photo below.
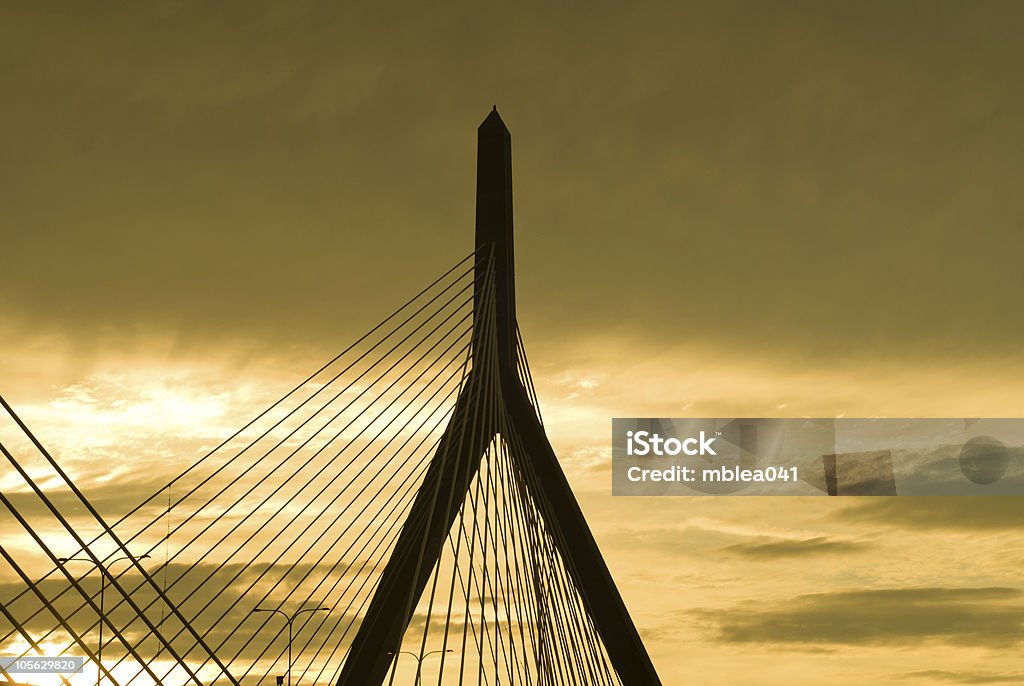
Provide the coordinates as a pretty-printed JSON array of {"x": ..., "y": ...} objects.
[
  {"x": 290, "y": 619},
  {"x": 103, "y": 588},
  {"x": 419, "y": 659}
]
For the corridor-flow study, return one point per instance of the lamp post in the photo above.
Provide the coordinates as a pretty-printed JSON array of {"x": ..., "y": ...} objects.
[
  {"x": 419, "y": 659},
  {"x": 290, "y": 619},
  {"x": 103, "y": 588}
]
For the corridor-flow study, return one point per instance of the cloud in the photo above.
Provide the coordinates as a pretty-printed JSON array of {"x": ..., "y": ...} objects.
[
  {"x": 662, "y": 538},
  {"x": 210, "y": 182},
  {"x": 954, "y": 513},
  {"x": 966, "y": 677},
  {"x": 767, "y": 548},
  {"x": 990, "y": 617}
]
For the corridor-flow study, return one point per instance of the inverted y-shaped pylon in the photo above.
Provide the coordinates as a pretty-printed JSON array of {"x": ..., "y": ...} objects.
[{"x": 493, "y": 403}]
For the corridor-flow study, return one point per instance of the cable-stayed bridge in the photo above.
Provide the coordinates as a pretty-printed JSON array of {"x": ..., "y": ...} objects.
[{"x": 398, "y": 517}]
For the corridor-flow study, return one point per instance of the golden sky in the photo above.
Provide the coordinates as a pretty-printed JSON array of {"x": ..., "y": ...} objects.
[{"x": 722, "y": 209}]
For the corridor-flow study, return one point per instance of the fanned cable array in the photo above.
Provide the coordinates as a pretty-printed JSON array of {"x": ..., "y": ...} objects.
[
  {"x": 500, "y": 604},
  {"x": 398, "y": 517},
  {"x": 300, "y": 510}
]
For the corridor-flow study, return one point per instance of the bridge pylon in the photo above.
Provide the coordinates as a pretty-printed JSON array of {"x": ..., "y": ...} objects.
[{"x": 494, "y": 404}]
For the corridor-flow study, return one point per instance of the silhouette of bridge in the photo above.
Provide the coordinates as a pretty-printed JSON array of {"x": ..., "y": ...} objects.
[{"x": 402, "y": 505}]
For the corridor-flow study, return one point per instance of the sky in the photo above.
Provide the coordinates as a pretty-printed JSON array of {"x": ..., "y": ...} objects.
[{"x": 722, "y": 209}]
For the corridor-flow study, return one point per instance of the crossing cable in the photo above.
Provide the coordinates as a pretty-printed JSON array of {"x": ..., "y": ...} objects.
[
  {"x": 482, "y": 533},
  {"x": 445, "y": 455},
  {"x": 413, "y": 520},
  {"x": 513, "y": 589},
  {"x": 42, "y": 545},
  {"x": 505, "y": 578},
  {"x": 487, "y": 301},
  {"x": 412, "y": 481},
  {"x": 34, "y": 588},
  {"x": 528, "y": 384},
  {"x": 471, "y": 584},
  {"x": 517, "y": 524},
  {"x": 487, "y": 578},
  {"x": 471, "y": 501},
  {"x": 480, "y": 588},
  {"x": 433, "y": 587},
  {"x": 586, "y": 628},
  {"x": 529, "y": 517},
  {"x": 19, "y": 627},
  {"x": 491, "y": 472},
  {"x": 407, "y": 442},
  {"x": 571, "y": 633},
  {"x": 518, "y": 545},
  {"x": 565, "y": 580},
  {"x": 423, "y": 458},
  {"x": 482, "y": 344},
  {"x": 489, "y": 400},
  {"x": 167, "y": 554},
  {"x": 294, "y": 390},
  {"x": 568, "y": 634},
  {"x": 63, "y": 521},
  {"x": 528, "y": 589},
  {"x": 488, "y": 410},
  {"x": 273, "y": 406},
  {"x": 387, "y": 541},
  {"x": 451, "y": 593},
  {"x": 238, "y": 501},
  {"x": 598, "y": 659},
  {"x": 586, "y": 624},
  {"x": 501, "y": 648},
  {"x": 372, "y": 499},
  {"x": 540, "y": 544},
  {"x": 435, "y": 486},
  {"x": 488, "y": 343},
  {"x": 525, "y": 544},
  {"x": 457, "y": 569},
  {"x": 464, "y": 584},
  {"x": 397, "y": 554},
  {"x": 468, "y": 587},
  {"x": 487, "y": 573},
  {"x": 568, "y": 608},
  {"x": 316, "y": 476},
  {"x": 509, "y": 593},
  {"x": 33, "y": 645},
  {"x": 283, "y": 576}
]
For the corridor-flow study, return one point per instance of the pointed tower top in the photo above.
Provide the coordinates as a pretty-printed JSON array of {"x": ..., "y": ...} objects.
[{"x": 493, "y": 119}]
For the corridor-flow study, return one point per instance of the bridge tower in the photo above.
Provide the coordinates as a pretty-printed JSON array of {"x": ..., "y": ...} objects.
[{"x": 490, "y": 391}]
